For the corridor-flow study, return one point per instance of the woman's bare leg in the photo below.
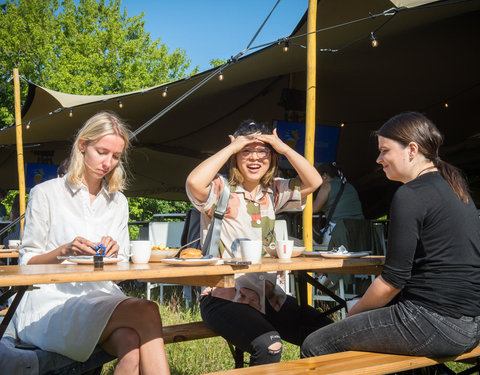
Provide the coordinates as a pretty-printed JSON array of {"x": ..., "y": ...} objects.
[
  {"x": 125, "y": 344},
  {"x": 143, "y": 317}
]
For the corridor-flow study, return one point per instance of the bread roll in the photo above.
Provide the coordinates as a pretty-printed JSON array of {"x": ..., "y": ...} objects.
[{"x": 191, "y": 253}]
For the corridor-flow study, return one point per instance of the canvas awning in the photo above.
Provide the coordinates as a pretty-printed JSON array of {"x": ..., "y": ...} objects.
[{"x": 425, "y": 58}]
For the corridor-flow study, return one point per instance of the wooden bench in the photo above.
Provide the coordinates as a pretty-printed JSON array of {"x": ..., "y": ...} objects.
[
  {"x": 352, "y": 363},
  {"x": 186, "y": 332}
]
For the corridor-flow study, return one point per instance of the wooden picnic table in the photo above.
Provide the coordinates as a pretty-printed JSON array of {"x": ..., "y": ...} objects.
[
  {"x": 9, "y": 254},
  {"x": 24, "y": 276},
  {"x": 211, "y": 275}
]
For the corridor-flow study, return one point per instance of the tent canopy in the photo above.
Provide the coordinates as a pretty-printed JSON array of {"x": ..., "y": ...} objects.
[{"x": 426, "y": 57}]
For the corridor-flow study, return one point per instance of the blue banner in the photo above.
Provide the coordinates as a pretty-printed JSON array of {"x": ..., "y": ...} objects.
[
  {"x": 37, "y": 173},
  {"x": 326, "y": 140}
]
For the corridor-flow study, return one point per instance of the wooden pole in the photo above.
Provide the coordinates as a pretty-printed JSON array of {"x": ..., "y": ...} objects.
[
  {"x": 310, "y": 122},
  {"x": 310, "y": 113},
  {"x": 20, "y": 162}
]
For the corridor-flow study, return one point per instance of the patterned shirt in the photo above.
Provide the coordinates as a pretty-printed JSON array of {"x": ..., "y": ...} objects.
[{"x": 252, "y": 220}]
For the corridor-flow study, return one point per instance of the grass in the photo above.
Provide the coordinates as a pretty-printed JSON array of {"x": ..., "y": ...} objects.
[
  {"x": 192, "y": 357},
  {"x": 207, "y": 355}
]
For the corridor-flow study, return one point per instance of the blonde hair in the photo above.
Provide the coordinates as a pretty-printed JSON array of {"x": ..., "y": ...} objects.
[
  {"x": 97, "y": 126},
  {"x": 236, "y": 178}
]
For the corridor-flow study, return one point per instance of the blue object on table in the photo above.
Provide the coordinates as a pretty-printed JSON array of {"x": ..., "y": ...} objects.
[{"x": 100, "y": 249}]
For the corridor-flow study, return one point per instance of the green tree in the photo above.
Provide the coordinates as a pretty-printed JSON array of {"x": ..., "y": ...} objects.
[
  {"x": 142, "y": 209},
  {"x": 88, "y": 47},
  {"x": 217, "y": 62}
]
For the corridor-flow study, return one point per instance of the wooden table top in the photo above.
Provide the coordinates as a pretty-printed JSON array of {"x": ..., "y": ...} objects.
[
  {"x": 212, "y": 275},
  {"x": 9, "y": 254}
]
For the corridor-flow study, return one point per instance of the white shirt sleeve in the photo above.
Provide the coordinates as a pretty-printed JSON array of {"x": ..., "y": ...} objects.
[{"x": 37, "y": 224}]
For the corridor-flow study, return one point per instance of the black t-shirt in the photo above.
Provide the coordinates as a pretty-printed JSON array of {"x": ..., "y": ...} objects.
[{"x": 433, "y": 249}]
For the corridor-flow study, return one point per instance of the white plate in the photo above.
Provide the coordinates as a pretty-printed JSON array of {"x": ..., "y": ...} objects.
[
  {"x": 189, "y": 261},
  {"x": 8, "y": 250},
  {"x": 158, "y": 255},
  {"x": 297, "y": 251},
  {"x": 86, "y": 259},
  {"x": 332, "y": 254}
]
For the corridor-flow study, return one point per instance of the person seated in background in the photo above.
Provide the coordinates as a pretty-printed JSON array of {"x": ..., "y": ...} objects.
[
  {"x": 348, "y": 205},
  {"x": 70, "y": 216},
  {"x": 426, "y": 302},
  {"x": 63, "y": 167}
]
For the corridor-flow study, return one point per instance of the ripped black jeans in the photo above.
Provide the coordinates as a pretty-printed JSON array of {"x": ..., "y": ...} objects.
[{"x": 257, "y": 333}]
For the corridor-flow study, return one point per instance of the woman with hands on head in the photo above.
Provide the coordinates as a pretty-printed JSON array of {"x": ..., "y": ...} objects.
[
  {"x": 74, "y": 215},
  {"x": 255, "y": 315},
  {"x": 426, "y": 302}
]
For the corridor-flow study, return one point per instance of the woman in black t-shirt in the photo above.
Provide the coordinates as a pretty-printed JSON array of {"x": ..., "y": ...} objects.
[{"x": 427, "y": 300}]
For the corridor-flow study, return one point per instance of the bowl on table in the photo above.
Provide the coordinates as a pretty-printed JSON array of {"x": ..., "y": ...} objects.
[
  {"x": 297, "y": 250},
  {"x": 158, "y": 255}
]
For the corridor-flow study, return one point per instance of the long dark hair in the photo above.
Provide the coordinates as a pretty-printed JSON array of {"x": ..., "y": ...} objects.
[{"x": 414, "y": 127}]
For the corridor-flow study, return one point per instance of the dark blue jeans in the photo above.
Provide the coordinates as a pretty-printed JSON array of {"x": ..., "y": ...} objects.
[
  {"x": 254, "y": 332},
  {"x": 403, "y": 328}
]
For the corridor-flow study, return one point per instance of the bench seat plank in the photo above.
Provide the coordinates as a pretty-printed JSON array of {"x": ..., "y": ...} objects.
[
  {"x": 186, "y": 332},
  {"x": 349, "y": 363}
]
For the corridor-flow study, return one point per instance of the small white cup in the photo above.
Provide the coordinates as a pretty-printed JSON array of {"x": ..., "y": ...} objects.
[
  {"x": 251, "y": 250},
  {"x": 140, "y": 251},
  {"x": 284, "y": 249},
  {"x": 14, "y": 244}
]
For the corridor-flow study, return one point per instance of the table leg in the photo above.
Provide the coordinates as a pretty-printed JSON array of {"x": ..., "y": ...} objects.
[
  {"x": 20, "y": 290},
  {"x": 301, "y": 280}
]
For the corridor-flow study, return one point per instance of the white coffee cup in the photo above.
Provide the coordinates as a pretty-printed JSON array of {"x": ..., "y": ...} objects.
[
  {"x": 251, "y": 250},
  {"x": 140, "y": 251},
  {"x": 14, "y": 244},
  {"x": 284, "y": 249}
]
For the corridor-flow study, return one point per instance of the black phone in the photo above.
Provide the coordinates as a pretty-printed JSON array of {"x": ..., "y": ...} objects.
[{"x": 237, "y": 262}]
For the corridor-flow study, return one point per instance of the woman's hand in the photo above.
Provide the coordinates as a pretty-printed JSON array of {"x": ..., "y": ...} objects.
[
  {"x": 274, "y": 141},
  {"x": 111, "y": 246},
  {"x": 79, "y": 246},
  {"x": 238, "y": 144}
]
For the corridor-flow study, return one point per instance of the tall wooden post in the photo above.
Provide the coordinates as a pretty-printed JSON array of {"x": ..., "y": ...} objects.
[
  {"x": 310, "y": 113},
  {"x": 18, "y": 132},
  {"x": 310, "y": 120}
]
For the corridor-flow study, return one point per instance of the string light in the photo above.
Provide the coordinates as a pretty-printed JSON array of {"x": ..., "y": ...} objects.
[
  {"x": 445, "y": 105},
  {"x": 28, "y": 125},
  {"x": 342, "y": 125},
  {"x": 285, "y": 46},
  {"x": 70, "y": 113},
  {"x": 374, "y": 41},
  {"x": 220, "y": 76},
  {"x": 120, "y": 104},
  {"x": 389, "y": 12}
]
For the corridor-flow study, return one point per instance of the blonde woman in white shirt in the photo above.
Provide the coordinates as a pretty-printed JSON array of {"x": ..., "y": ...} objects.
[{"x": 70, "y": 216}]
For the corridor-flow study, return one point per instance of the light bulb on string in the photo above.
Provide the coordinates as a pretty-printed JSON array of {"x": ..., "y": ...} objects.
[
  {"x": 164, "y": 93},
  {"x": 342, "y": 125},
  {"x": 220, "y": 76},
  {"x": 120, "y": 104},
  {"x": 28, "y": 125},
  {"x": 445, "y": 105},
  {"x": 285, "y": 46},
  {"x": 373, "y": 40},
  {"x": 70, "y": 113}
]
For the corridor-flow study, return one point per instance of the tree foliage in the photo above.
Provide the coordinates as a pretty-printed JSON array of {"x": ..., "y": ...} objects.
[{"x": 86, "y": 47}]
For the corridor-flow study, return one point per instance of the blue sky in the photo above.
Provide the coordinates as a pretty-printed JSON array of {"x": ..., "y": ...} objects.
[{"x": 214, "y": 29}]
